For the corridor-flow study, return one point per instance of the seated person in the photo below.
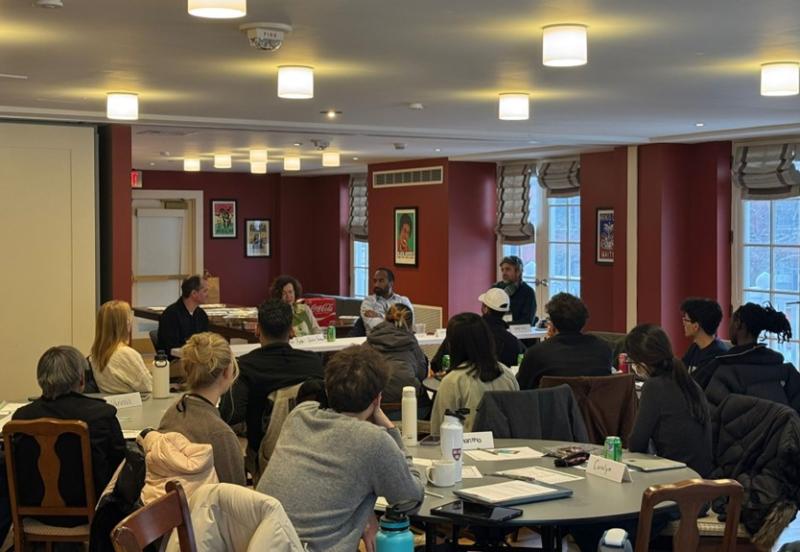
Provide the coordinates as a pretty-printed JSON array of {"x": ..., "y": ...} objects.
[
  {"x": 374, "y": 307},
  {"x": 117, "y": 368},
  {"x": 494, "y": 304},
  {"x": 474, "y": 371},
  {"x": 394, "y": 339},
  {"x": 330, "y": 465},
  {"x": 673, "y": 412},
  {"x": 60, "y": 375},
  {"x": 273, "y": 366},
  {"x": 701, "y": 318},
  {"x": 289, "y": 290},
  {"x": 523, "y": 298},
  {"x": 184, "y": 317},
  {"x": 569, "y": 352},
  {"x": 211, "y": 369},
  {"x": 747, "y": 324}
]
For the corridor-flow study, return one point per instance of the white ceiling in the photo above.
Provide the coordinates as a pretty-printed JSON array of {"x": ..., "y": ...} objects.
[{"x": 655, "y": 69}]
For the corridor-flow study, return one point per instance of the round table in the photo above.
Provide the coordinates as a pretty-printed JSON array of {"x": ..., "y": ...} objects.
[{"x": 594, "y": 499}]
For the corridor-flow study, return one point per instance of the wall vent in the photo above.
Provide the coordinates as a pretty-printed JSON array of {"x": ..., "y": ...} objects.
[{"x": 408, "y": 177}]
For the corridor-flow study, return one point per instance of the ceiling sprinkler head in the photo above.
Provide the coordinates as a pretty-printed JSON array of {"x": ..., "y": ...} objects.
[
  {"x": 320, "y": 144},
  {"x": 266, "y": 36},
  {"x": 399, "y": 146}
]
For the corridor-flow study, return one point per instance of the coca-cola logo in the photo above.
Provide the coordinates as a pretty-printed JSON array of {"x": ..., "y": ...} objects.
[
  {"x": 456, "y": 454},
  {"x": 323, "y": 308}
]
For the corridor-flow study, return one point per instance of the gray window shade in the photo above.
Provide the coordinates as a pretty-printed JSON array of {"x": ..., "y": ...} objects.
[
  {"x": 357, "y": 221},
  {"x": 513, "y": 203},
  {"x": 766, "y": 172},
  {"x": 560, "y": 177}
]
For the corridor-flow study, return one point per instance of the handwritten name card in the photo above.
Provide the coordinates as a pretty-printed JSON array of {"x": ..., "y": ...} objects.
[
  {"x": 478, "y": 440},
  {"x": 127, "y": 400},
  {"x": 608, "y": 469}
]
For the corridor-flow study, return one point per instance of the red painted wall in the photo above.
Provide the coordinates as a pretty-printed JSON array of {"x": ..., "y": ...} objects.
[
  {"x": 243, "y": 281},
  {"x": 471, "y": 237},
  {"x": 603, "y": 286}
]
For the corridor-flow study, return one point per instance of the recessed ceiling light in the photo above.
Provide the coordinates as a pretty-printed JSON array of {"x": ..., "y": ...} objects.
[
  {"x": 258, "y": 168},
  {"x": 355, "y": 158},
  {"x": 152, "y": 164},
  {"x": 191, "y": 164},
  {"x": 297, "y": 144},
  {"x": 437, "y": 149},
  {"x": 295, "y": 82},
  {"x": 291, "y": 163},
  {"x": 331, "y": 113},
  {"x": 218, "y": 9},
  {"x": 780, "y": 78},
  {"x": 416, "y": 105},
  {"x": 533, "y": 141},
  {"x": 564, "y": 45},
  {"x": 699, "y": 125},
  {"x": 123, "y": 106},
  {"x": 222, "y": 161},
  {"x": 330, "y": 159},
  {"x": 514, "y": 107},
  {"x": 258, "y": 156}
]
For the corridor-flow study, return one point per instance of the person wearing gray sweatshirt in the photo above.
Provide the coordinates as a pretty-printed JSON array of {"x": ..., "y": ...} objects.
[{"x": 330, "y": 465}]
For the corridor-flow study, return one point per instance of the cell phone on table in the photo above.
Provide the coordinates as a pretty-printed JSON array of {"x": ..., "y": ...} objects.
[
  {"x": 477, "y": 513},
  {"x": 430, "y": 441}
]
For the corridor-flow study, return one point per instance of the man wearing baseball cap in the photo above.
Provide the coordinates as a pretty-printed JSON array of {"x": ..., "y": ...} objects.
[
  {"x": 523, "y": 298},
  {"x": 494, "y": 304}
]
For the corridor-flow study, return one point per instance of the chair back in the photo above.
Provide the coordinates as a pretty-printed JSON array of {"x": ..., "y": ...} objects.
[
  {"x": 46, "y": 432},
  {"x": 691, "y": 496},
  {"x": 154, "y": 339},
  {"x": 608, "y": 403},
  {"x": 283, "y": 401},
  {"x": 157, "y": 520}
]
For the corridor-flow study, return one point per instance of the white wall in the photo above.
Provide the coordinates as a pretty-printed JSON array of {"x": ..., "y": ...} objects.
[{"x": 47, "y": 246}]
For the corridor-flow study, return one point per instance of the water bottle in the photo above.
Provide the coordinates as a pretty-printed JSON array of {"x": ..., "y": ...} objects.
[
  {"x": 161, "y": 376},
  {"x": 451, "y": 434},
  {"x": 409, "y": 416},
  {"x": 394, "y": 534}
]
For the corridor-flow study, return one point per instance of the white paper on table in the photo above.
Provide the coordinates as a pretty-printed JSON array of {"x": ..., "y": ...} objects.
[
  {"x": 470, "y": 472},
  {"x": 130, "y": 433},
  {"x": 506, "y": 453},
  {"x": 503, "y": 492},
  {"x": 7, "y": 410},
  {"x": 541, "y": 474},
  {"x": 426, "y": 462}
]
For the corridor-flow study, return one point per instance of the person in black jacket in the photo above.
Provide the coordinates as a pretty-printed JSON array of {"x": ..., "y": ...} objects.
[
  {"x": 60, "y": 376},
  {"x": 494, "y": 304},
  {"x": 523, "y": 298},
  {"x": 569, "y": 352},
  {"x": 185, "y": 317},
  {"x": 273, "y": 366},
  {"x": 747, "y": 324},
  {"x": 701, "y": 318}
]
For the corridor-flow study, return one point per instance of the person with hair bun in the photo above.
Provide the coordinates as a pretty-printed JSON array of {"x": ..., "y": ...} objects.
[
  {"x": 211, "y": 370},
  {"x": 394, "y": 339},
  {"x": 117, "y": 368},
  {"x": 747, "y": 324}
]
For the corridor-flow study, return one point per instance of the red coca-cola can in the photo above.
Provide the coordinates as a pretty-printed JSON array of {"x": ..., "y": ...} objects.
[{"x": 622, "y": 363}]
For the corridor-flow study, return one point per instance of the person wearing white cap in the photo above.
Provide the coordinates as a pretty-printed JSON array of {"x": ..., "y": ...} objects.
[{"x": 494, "y": 304}]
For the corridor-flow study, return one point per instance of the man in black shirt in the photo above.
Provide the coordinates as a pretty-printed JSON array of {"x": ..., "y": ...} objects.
[
  {"x": 523, "y": 298},
  {"x": 273, "y": 366},
  {"x": 701, "y": 318},
  {"x": 184, "y": 318},
  {"x": 569, "y": 352}
]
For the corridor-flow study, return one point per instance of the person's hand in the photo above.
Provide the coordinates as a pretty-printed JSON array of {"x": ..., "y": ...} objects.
[
  {"x": 380, "y": 419},
  {"x": 370, "y": 531},
  {"x": 551, "y": 330},
  {"x": 371, "y": 314}
]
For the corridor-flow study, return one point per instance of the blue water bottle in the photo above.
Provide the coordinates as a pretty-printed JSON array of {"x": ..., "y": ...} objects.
[{"x": 394, "y": 534}]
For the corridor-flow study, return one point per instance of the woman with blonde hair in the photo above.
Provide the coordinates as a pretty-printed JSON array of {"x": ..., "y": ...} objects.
[
  {"x": 211, "y": 369},
  {"x": 117, "y": 367}
]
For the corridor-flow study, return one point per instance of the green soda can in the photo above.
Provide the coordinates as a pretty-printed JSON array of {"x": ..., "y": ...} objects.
[
  {"x": 613, "y": 448},
  {"x": 445, "y": 363},
  {"x": 519, "y": 359},
  {"x": 618, "y": 449},
  {"x": 330, "y": 333}
]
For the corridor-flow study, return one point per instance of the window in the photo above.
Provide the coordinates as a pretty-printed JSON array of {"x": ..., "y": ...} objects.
[
  {"x": 527, "y": 252},
  {"x": 359, "y": 283},
  {"x": 770, "y": 262}
]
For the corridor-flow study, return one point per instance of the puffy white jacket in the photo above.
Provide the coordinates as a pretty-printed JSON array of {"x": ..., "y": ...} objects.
[
  {"x": 172, "y": 457},
  {"x": 237, "y": 519}
]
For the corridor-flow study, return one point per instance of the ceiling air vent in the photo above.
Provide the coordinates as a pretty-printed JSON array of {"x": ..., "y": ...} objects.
[{"x": 408, "y": 177}]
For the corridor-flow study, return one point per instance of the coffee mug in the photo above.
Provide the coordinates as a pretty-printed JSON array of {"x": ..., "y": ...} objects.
[
  {"x": 420, "y": 329},
  {"x": 442, "y": 473}
]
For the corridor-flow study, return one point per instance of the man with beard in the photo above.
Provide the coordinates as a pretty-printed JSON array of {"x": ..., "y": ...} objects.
[
  {"x": 374, "y": 307},
  {"x": 523, "y": 299}
]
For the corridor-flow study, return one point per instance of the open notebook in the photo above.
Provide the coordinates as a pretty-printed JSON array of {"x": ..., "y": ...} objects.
[{"x": 513, "y": 492}]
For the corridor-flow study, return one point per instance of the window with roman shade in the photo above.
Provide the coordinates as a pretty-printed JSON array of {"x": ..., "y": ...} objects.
[
  {"x": 357, "y": 221},
  {"x": 560, "y": 177},
  {"x": 766, "y": 171},
  {"x": 513, "y": 203}
]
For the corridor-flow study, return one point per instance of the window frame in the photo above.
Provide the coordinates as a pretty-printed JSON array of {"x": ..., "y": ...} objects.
[{"x": 353, "y": 266}]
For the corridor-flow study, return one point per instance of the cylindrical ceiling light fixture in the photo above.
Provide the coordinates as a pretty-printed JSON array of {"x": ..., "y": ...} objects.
[
  {"x": 514, "y": 106},
  {"x": 258, "y": 156},
  {"x": 218, "y": 9},
  {"x": 222, "y": 161},
  {"x": 295, "y": 82},
  {"x": 291, "y": 163},
  {"x": 780, "y": 78},
  {"x": 258, "y": 168},
  {"x": 331, "y": 159},
  {"x": 191, "y": 165},
  {"x": 122, "y": 106},
  {"x": 564, "y": 45}
]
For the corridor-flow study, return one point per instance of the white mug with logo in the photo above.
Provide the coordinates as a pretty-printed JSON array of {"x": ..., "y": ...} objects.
[{"x": 442, "y": 473}]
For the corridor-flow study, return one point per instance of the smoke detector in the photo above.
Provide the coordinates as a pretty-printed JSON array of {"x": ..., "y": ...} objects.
[
  {"x": 50, "y": 3},
  {"x": 320, "y": 145},
  {"x": 265, "y": 36},
  {"x": 399, "y": 146}
]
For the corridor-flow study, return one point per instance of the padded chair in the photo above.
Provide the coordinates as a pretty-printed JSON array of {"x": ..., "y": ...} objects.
[
  {"x": 154, "y": 339},
  {"x": 283, "y": 401},
  {"x": 157, "y": 520},
  {"x": 27, "y": 527},
  {"x": 608, "y": 403},
  {"x": 691, "y": 497}
]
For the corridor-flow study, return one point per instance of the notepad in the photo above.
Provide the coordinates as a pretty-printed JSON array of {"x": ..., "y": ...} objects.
[
  {"x": 513, "y": 492},
  {"x": 652, "y": 464},
  {"x": 540, "y": 475},
  {"x": 505, "y": 453}
]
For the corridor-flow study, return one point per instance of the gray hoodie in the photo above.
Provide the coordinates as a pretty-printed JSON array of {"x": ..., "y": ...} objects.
[{"x": 409, "y": 364}]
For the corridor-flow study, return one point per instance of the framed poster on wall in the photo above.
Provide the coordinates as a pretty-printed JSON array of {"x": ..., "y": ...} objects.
[
  {"x": 257, "y": 238},
  {"x": 223, "y": 218},
  {"x": 406, "y": 236},
  {"x": 605, "y": 236}
]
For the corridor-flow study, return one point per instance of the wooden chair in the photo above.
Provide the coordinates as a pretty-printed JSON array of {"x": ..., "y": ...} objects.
[
  {"x": 157, "y": 520},
  {"x": 46, "y": 432},
  {"x": 690, "y": 496}
]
